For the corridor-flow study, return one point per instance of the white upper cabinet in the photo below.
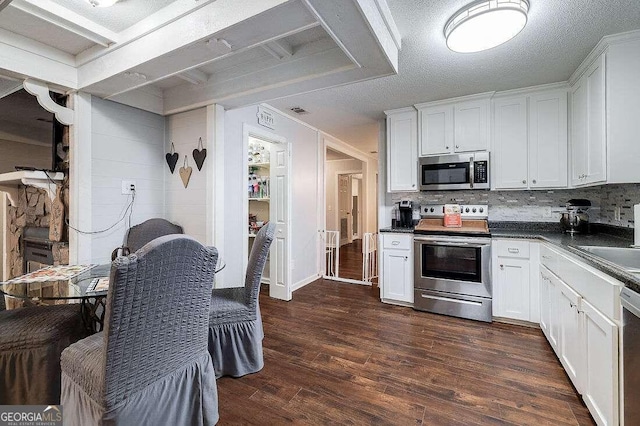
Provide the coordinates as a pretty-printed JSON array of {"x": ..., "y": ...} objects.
[
  {"x": 588, "y": 126},
  {"x": 471, "y": 124},
  {"x": 436, "y": 130},
  {"x": 530, "y": 141},
  {"x": 454, "y": 126},
  {"x": 548, "y": 140},
  {"x": 510, "y": 145},
  {"x": 402, "y": 150}
]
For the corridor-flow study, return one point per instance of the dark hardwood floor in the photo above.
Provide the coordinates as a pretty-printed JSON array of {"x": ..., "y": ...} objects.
[{"x": 336, "y": 355}]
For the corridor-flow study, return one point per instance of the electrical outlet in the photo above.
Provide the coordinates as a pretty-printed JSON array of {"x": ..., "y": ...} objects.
[{"x": 128, "y": 186}]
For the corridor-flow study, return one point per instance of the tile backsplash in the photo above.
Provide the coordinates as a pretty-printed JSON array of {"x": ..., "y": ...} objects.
[{"x": 540, "y": 206}]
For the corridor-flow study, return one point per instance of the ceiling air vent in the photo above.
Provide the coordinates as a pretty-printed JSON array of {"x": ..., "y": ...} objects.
[{"x": 299, "y": 110}]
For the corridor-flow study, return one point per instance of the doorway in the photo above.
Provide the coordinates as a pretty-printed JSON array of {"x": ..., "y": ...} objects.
[
  {"x": 348, "y": 246},
  {"x": 267, "y": 159}
]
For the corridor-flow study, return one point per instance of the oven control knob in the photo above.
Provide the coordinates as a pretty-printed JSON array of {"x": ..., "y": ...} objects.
[
  {"x": 431, "y": 209},
  {"x": 481, "y": 209},
  {"x": 466, "y": 210},
  {"x": 474, "y": 210}
]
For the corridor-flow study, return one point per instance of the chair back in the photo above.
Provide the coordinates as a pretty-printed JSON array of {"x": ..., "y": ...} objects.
[
  {"x": 147, "y": 231},
  {"x": 257, "y": 261},
  {"x": 157, "y": 313}
]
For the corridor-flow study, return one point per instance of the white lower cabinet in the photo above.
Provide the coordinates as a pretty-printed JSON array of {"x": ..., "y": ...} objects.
[
  {"x": 583, "y": 337},
  {"x": 515, "y": 286},
  {"x": 511, "y": 289},
  {"x": 397, "y": 268},
  {"x": 601, "y": 370},
  {"x": 571, "y": 351}
]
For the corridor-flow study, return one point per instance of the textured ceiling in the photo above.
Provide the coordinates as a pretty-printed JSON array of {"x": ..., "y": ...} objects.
[
  {"x": 118, "y": 17},
  {"x": 558, "y": 36}
]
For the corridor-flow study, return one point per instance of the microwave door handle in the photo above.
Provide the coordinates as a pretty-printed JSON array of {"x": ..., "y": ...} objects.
[{"x": 471, "y": 172}]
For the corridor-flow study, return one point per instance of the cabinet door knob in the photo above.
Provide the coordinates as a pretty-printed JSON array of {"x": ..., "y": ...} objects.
[
  {"x": 524, "y": 181},
  {"x": 446, "y": 147},
  {"x": 413, "y": 185},
  {"x": 501, "y": 266},
  {"x": 534, "y": 181},
  {"x": 457, "y": 146}
]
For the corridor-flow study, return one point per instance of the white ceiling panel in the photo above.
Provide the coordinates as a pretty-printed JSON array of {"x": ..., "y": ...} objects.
[
  {"x": 27, "y": 25},
  {"x": 118, "y": 17}
]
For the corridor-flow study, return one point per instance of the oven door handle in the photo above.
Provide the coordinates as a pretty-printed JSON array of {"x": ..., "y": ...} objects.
[{"x": 453, "y": 244}]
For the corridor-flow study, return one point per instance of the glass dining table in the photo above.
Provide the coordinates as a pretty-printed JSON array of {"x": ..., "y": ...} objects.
[
  {"x": 84, "y": 289},
  {"x": 45, "y": 289}
]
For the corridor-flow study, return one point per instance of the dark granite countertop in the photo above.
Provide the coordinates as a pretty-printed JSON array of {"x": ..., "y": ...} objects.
[
  {"x": 398, "y": 230},
  {"x": 601, "y": 235}
]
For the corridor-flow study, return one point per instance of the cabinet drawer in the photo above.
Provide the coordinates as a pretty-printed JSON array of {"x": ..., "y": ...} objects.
[
  {"x": 513, "y": 248},
  {"x": 548, "y": 258},
  {"x": 397, "y": 241}
]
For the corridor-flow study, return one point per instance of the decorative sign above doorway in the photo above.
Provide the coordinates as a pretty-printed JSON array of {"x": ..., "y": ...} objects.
[{"x": 265, "y": 118}]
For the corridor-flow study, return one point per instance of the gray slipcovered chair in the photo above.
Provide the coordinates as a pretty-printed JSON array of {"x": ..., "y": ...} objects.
[
  {"x": 235, "y": 324},
  {"x": 150, "y": 365},
  {"x": 139, "y": 235},
  {"x": 31, "y": 341}
]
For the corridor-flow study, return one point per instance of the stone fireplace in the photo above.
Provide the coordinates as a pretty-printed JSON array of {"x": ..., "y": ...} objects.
[{"x": 33, "y": 209}]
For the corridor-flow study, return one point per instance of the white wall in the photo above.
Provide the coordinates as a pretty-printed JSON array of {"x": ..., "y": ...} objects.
[
  {"x": 332, "y": 169},
  {"x": 21, "y": 154},
  {"x": 304, "y": 190},
  {"x": 187, "y": 206},
  {"x": 126, "y": 144}
]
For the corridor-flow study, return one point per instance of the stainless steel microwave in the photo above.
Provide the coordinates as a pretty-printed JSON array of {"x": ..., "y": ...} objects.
[{"x": 457, "y": 171}]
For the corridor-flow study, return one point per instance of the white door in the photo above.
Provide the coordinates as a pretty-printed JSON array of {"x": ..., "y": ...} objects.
[
  {"x": 601, "y": 381},
  {"x": 548, "y": 140},
  {"x": 345, "y": 207},
  {"x": 596, "y": 130},
  {"x": 398, "y": 275},
  {"x": 280, "y": 213},
  {"x": 571, "y": 344},
  {"x": 436, "y": 130},
  {"x": 402, "y": 152},
  {"x": 510, "y": 143},
  {"x": 544, "y": 302},
  {"x": 512, "y": 289},
  {"x": 554, "y": 318},
  {"x": 471, "y": 124},
  {"x": 579, "y": 133}
]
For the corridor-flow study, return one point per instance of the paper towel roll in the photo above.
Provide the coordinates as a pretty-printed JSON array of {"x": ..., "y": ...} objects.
[{"x": 636, "y": 225}]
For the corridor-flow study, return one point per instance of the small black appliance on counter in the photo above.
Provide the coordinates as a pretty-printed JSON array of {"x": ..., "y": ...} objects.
[{"x": 405, "y": 208}]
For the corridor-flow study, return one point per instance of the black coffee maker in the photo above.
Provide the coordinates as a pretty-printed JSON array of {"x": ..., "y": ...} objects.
[{"x": 405, "y": 207}]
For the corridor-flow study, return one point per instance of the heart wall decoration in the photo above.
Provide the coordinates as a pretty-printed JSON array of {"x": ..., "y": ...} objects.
[
  {"x": 199, "y": 154},
  {"x": 185, "y": 172},
  {"x": 172, "y": 158}
]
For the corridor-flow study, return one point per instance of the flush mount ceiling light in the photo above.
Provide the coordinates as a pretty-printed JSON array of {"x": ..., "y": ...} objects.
[
  {"x": 484, "y": 24},
  {"x": 102, "y": 3}
]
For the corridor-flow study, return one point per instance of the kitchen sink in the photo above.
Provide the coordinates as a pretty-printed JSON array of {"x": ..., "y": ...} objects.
[{"x": 627, "y": 258}]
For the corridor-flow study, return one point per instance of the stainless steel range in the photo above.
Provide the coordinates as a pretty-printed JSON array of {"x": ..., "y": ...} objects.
[{"x": 452, "y": 266}]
